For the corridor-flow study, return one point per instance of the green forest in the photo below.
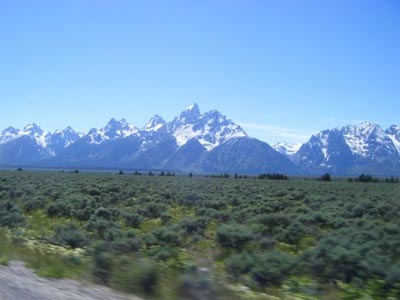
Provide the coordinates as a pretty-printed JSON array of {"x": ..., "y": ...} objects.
[{"x": 206, "y": 237}]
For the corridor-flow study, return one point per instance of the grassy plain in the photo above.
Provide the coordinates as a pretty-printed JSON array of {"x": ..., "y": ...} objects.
[{"x": 166, "y": 237}]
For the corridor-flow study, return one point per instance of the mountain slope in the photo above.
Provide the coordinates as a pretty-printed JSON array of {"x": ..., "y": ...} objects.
[
  {"x": 393, "y": 133},
  {"x": 353, "y": 149},
  {"x": 22, "y": 151},
  {"x": 61, "y": 139},
  {"x": 246, "y": 155},
  {"x": 187, "y": 157},
  {"x": 325, "y": 152}
]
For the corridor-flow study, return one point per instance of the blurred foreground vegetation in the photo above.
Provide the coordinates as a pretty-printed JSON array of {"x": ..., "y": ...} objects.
[{"x": 175, "y": 237}]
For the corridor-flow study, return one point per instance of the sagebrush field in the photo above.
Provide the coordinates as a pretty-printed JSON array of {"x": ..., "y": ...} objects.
[{"x": 181, "y": 237}]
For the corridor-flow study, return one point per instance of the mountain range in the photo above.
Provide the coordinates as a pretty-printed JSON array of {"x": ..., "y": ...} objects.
[
  {"x": 353, "y": 149},
  {"x": 202, "y": 142}
]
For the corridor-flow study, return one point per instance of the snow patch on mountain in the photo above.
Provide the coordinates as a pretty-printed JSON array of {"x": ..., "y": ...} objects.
[
  {"x": 9, "y": 134},
  {"x": 353, "y": 147},
  {"x": 211, "y": 128},
  {"x": 35, "y": 132},
  {"x": 393, "y": 132},
  {"x": 287, "y": 149},
  {"x": 184, "y": 133},
  {"x": 49, "y": 143},
  {"x": 61, "y": 139},
  {"x": 113, "y": 130},
  {"x": 321, "y": 140},
  {"x": 395, "y": 142},
  {"x": 155, "y": 124},
  {"x": 358, "y": 137}
]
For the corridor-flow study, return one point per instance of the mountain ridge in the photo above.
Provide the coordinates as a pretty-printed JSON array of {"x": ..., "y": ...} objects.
[
  {"x": 192, "y": 141},
  {"x": 203, "y": 142},
  {"x": 364, "y": 147}
]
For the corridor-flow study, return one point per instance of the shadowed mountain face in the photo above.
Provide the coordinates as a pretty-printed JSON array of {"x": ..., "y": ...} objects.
[{"x": 192, "y": 141}]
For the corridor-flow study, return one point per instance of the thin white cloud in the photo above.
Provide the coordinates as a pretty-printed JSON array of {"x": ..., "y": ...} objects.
[
  {"x": 338, "y": 123},
  {"x": 275, "y": 133}
]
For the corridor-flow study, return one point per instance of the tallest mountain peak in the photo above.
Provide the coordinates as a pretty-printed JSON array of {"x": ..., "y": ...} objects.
[
  {"x": 193, "y": 107},
  {"x": 192, "y": 111}
]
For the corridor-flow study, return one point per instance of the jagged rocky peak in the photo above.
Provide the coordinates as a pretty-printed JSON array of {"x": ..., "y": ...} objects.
[
  {"x": 214, "y": 116},
  {"x": 66, "y": 131},
  {"x": 8, "y": 134},
  {"x": 32, "y": 128},
  {"x": 362, "y": 137},
  {"x": 10, "y": 130},
  {"x": 114, "y": 124},
  {"x": 155, "y": 123},
  {"x": 325, "y": 135},
  {"x": 61, "y": 139},
  {"x": 210, "y": 129},
  {"x": 35, "y": 132},
  {"x": 117, "y": 129},
  {"x": 92, "y": 131},
  {"x": 191, "y": 113},
  {"x": 221, "y": 127},
  {"x": 363, "y": 129}
]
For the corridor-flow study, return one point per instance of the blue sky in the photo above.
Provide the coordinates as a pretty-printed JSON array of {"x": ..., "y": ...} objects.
[{"x": 281, "y": 69}]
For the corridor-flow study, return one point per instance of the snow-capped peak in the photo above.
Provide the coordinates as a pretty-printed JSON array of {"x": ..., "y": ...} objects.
[
  {"x": 113, "y": 125},
  {"x": 119, "y": 128},
  {"x": 287, "y": 149},
  {"x": 10, "y": 130},
  {"x": 9, "y": 134},
  {"x": 210, "y": 129},
  {"x": 155, "y": 123},
  {"x": 61, "y": 139},
  {"x": 190, "y": 114},
  {"x": 29, "y": 132},
  {"x": 360, "y": 136},
  {"x": 32, "y": 129},
  {"x": 394, "y": 129},
  {"x": 193, "y": 107},
  {"x": 113, "y": 130},
  {"x": 65, "y": 131}
]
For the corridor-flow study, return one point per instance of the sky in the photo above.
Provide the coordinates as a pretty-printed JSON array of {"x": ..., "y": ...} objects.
[{"x": 283, "y": 70}]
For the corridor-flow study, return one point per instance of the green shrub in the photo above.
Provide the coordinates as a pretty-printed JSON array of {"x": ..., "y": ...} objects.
[
  {"x": 168, "y": 236},
  {"x": 33, "y": 204},
  {"x": 190, "y": 225},
  {"x": 238, "y": 264},
  {"x": 197, "y": 285},
  {"x": 272, "y": 268},
  {"x": 101, "y": 263},
  {"x": 139, "y": 277},
  {"x": 70, "y": 235},
  {"x": 233, "y": 236},
  {"x": 10, "y": 215},
  {"x": 133, "y": 219}
]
